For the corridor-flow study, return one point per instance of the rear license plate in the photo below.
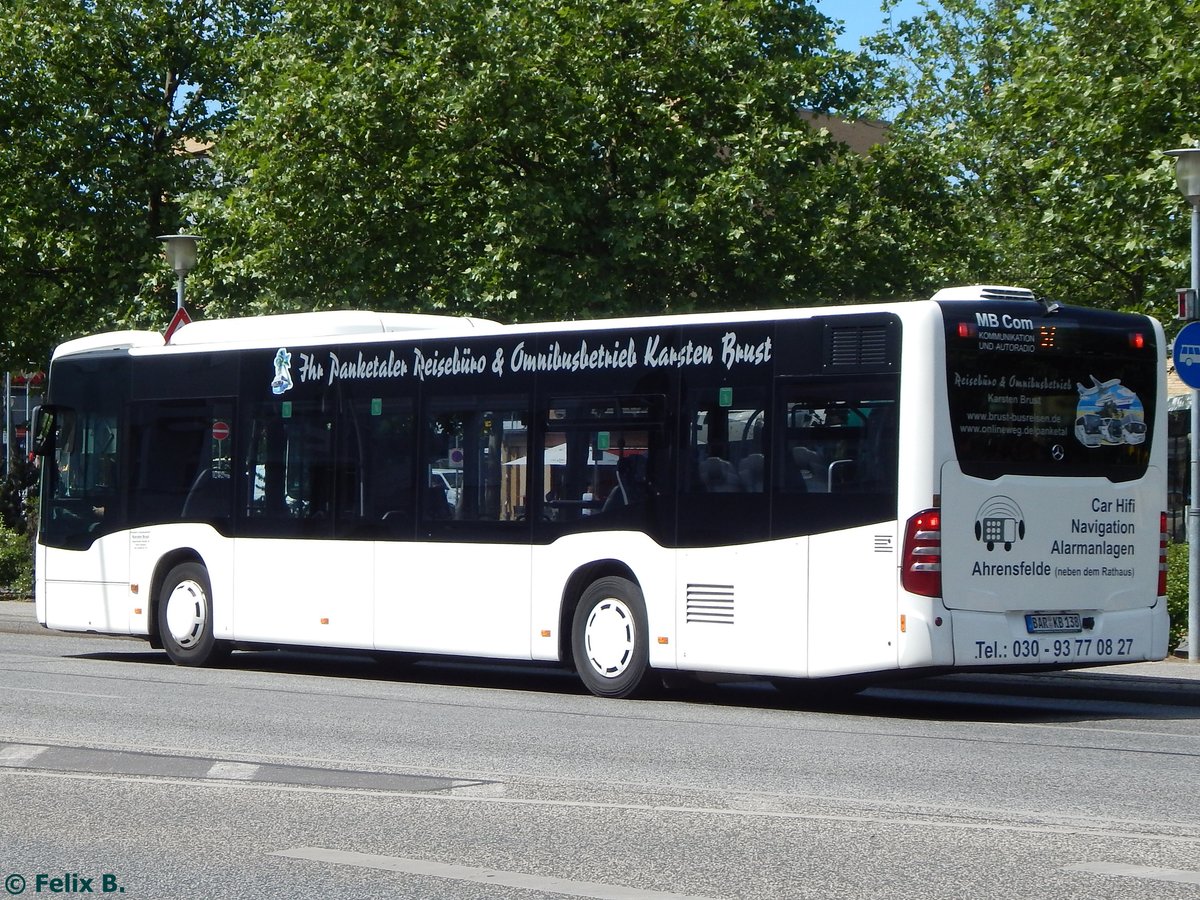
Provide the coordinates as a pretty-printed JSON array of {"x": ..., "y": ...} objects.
[{"x": 1053, "y": 623}]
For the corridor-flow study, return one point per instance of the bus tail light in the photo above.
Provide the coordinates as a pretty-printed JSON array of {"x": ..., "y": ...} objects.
[
  {"x": 921, "y": 566},
  {"x": 1162, "y": 556}
]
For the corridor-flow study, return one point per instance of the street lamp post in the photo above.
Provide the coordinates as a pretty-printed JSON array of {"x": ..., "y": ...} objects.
[
  {"x": 1187, "y": 176},
  {"x": 180, "y": 250}
]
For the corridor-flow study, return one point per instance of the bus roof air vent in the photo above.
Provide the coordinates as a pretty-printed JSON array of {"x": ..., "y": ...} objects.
[{"x": 984, "y": 292}]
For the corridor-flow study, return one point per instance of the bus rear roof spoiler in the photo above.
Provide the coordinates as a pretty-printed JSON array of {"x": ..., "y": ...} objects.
[{"x": 984, "y": 292}]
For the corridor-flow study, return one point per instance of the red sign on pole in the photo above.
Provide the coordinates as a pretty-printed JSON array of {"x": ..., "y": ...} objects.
[
  {"x": 180, "y": 319},
  {"x": 220, "y": 431}
]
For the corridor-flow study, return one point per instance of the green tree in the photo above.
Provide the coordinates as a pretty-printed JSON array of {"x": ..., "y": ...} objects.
[
  {"x": 96, "y": 102},
  {"x": 1049, "y": 120},
  {"x": 525, "y": 160}
]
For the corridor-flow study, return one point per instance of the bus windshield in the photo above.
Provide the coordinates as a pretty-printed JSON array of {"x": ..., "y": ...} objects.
[
  {"x": 81, "y": 483},
  {"x": 1063, "y": 394}
]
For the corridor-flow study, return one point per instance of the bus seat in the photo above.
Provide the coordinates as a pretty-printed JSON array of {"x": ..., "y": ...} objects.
[
  {"x": 632, "y": 486},
  {"x": 750, "y": 473},
  {"x": 879, "y": 458},
  {"x": 804, "y": 460},
  {"x": 437, "y": 507},
  {"x": 718, "y": 476}
]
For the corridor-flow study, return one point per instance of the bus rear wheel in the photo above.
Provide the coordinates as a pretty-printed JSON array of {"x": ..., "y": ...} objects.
[
  {"x": 609, "y": 638},
  {"x": 185, "y": 617}
]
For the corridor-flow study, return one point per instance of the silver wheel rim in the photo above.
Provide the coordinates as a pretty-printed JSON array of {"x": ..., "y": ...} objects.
[
  {"x": 186, "y": 613},
  {"x": 609, "y": 638}
]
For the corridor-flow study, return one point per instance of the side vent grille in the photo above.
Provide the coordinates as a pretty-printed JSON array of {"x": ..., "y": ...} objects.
[
  {"x": 861, "y": 345},
  {"x": 711, "y": 603}
]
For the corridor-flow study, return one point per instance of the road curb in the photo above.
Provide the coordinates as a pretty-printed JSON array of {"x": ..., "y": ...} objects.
[{"x": 19, "y": 617}]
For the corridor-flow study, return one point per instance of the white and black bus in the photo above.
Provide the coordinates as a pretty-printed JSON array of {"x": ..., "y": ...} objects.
[{"x": 976, "y": 480}]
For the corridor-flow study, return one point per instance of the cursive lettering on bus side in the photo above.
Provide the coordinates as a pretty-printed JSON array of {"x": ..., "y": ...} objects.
[
  {"x": 658, "y": 356},
  {"x": 360, "y": 368},
  {"x": 556, "y": 359},
  {"x": 733, "y": 352},
  {"x": 462, "y": 361}
]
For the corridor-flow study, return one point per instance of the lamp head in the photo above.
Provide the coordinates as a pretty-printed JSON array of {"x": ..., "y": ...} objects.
[
  {"x": 180, "y": 250},
  {"x": 1187, "y": 172}
]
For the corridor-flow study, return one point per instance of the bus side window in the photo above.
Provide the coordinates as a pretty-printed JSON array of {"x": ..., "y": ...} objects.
[
  {"x": 603, "y": 461},
  {"x": 726, "y": 453},
  {"x": 293, "y": 471},
  {"x": 724, "y": 476},
  {"x": 839, "y": 445},
  {"x": 821, "y": 446},
  {"x": 389, "y": 450},
  {"x": 475, "y": 459},
  {"x": 180, "y": 461}
]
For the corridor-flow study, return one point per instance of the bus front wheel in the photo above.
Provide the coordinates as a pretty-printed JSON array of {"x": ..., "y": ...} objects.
[
  {"x": 609, "y": 638},
  {"x": 185, "y": 617}
]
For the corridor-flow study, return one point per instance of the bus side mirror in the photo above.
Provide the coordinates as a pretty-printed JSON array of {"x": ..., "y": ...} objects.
[{"x": 44, "y": 422}]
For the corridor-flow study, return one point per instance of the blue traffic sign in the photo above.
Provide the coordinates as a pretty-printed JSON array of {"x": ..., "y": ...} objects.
[{"x": 1187, "y": 355}]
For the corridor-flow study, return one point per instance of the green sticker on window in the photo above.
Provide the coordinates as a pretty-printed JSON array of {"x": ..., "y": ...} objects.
[
  {"x": 286, "y": 409},
  {"x": 377, "y": 406},
  {"x": 601, "y": 440},
  {"x": 725, "y": 397}
]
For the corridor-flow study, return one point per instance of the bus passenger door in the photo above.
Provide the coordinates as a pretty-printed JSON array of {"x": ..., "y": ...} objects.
[
  {"x": 738, "y": 604},
  {"x": 84, "y": 541},
  {"x": 838, "y": 486},
  {"x": 462, "y": 587},
  {"x": 302, "y": 575}
]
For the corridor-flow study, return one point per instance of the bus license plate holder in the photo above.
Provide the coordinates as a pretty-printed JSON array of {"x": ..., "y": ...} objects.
[{"x": 1053, "y": 623}]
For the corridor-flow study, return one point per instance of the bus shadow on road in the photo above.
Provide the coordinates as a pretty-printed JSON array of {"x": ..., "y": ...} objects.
[
  {"x": 384, "y": 667},
  {"x": 1049, "y": 698}
]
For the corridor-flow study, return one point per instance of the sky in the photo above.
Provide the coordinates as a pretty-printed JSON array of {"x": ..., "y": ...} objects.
[{"x": 864, "y": 17}]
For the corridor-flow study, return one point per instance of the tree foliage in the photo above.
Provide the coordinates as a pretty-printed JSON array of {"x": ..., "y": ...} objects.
[
  {"x": 520, "y": 160},
  {"x": 1050, "y": 118},
  {"x": 96, "y": 100},
  {"x": 524, "y": 160}
]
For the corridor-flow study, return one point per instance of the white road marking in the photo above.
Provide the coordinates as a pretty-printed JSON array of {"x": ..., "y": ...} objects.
[
  {"x": 1178, "y": 876},
  {"x": 20, "y": 754},
  {"x": 232, "y": 770},
  {"x": 589, "y": 889}
]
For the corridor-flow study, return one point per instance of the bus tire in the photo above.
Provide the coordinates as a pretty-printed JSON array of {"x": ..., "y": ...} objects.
[
  {"x": 609, "y": 638},
  {"x": 185, "y": 615}
]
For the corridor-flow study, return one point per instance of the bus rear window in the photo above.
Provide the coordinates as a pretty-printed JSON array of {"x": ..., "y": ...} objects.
[{"x": 1063, "y": 393}]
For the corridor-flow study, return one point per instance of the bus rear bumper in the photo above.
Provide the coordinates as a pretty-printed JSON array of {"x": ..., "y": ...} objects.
[{"x": 1011, "y": 638}]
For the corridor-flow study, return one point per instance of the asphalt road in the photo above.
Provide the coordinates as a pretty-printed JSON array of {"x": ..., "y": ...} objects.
[{"x": 293, "y": 775}]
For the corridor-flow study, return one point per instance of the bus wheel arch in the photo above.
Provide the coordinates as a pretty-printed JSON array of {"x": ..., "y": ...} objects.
[
  {"x": 610, "y": 636},
  {"x": 182, "y": 611}
]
